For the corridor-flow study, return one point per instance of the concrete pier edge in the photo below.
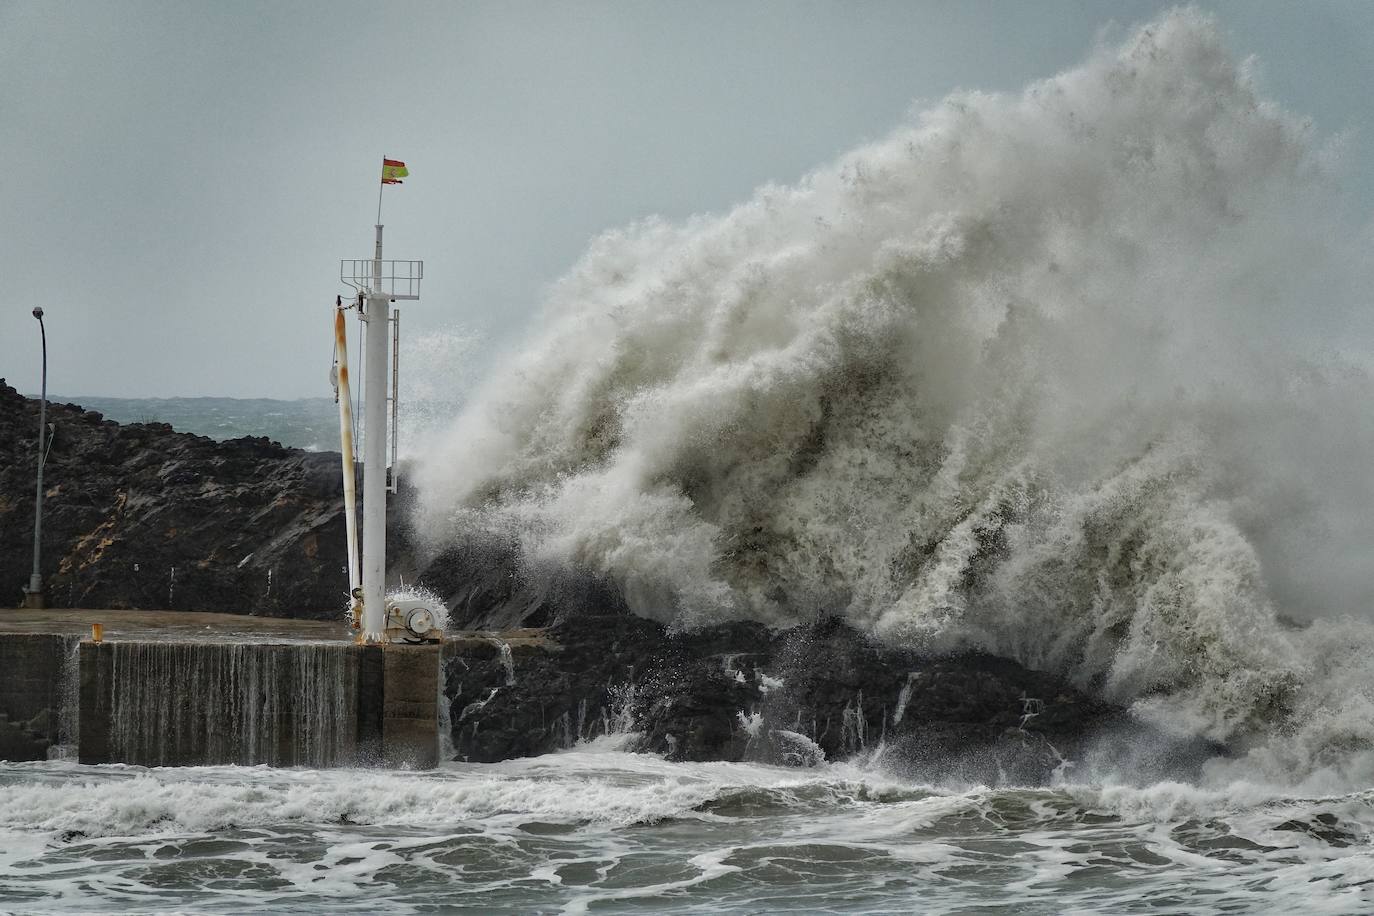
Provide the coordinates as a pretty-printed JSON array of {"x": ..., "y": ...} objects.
[{"x": 391, "y": 718}]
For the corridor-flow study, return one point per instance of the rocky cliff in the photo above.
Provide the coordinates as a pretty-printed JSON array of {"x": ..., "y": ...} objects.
[{"x": 140, "y": 516}]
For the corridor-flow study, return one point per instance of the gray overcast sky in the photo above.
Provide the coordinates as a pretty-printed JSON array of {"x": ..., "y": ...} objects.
[{"x": 181, "y": 178}]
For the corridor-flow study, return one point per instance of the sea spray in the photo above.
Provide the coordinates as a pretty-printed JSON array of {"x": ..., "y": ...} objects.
[
  {"x": 617, "y": 716},
  {"x": 1051, "y": 375},
  {"x": 795, "y": 749},
  {"x": 431, "y": 600},
  {"x": 507, "y": 661},
  {"x": 903, "y": 698}
]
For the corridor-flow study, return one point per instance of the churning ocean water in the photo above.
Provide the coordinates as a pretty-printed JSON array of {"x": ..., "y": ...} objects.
[
  {"x": 597, "y": 830},
  {"x": 306, "y": 423},
  {"x": 1059, "y": 375}
]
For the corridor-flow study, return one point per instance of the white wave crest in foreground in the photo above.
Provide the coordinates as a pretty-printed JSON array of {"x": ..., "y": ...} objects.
[{"x": 575, "y": 831}]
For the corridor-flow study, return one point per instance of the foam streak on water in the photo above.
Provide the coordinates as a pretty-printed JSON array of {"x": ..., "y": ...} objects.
[{"x": 562, "y": 832}]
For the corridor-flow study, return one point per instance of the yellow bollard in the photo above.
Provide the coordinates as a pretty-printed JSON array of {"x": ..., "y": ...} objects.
[{"x": 97, "y": 632}]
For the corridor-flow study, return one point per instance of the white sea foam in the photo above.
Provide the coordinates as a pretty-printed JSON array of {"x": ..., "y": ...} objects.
[
  {"x": 562, "y": 832},
  {"x": 1056, "y": 375},
  {"x": 570, "y": 786}
]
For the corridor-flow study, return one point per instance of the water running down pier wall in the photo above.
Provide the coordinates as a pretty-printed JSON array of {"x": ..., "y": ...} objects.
[{"x": 317, "y": 705}]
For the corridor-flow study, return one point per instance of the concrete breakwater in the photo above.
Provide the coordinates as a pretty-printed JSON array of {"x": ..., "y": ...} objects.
[
  {"x": 188, "y": 689},
  {"x": 37, "y": 695},
  {"x": 195, "y": 703},
  {"x": 164, "y": 700}
]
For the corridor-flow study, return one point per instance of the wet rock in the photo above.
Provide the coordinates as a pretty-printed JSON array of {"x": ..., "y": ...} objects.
[
  {"x": 554, "y": 688},
  {"x": 967, "y": 716},
  {"x": 795, "y": 697},
  {"x": 737, "y": 691}
]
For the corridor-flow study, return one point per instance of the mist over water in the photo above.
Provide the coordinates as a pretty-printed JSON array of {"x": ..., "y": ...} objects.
[{"x": 1076, "y": 375}]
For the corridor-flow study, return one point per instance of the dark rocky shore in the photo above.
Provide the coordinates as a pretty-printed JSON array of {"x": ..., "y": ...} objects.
[
  {"x": 141, "y": 516},
  {"x": 564, "y": 661}
]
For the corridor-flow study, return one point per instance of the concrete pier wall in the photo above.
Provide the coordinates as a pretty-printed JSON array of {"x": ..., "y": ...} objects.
[
  {"x": 184, "y": 703},
  {"x": 189, "y": 704},
  {"x": 34, "y": 692},
  {"x": 315, "y": 704},
  {"x": 410, "y": 706}
]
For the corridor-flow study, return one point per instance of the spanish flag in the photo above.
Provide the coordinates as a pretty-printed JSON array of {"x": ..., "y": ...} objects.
[{"x": 393, "y": 171}]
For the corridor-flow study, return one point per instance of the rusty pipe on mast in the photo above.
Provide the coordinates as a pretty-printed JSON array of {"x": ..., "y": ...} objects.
[{"x": 345, "y": 398}]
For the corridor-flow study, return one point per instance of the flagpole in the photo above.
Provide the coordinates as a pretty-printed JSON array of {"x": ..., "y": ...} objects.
[
  {"x": 381, "y": 186},
  {"x": 378, "y": 315},
  {"x": 377, "y": 291}
]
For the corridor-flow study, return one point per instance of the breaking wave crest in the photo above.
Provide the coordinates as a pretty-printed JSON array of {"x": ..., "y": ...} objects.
[{"x": 1063, "y": 375}]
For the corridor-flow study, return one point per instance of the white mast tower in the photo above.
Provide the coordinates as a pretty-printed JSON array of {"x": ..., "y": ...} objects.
[{"x": 379, "y": 283}]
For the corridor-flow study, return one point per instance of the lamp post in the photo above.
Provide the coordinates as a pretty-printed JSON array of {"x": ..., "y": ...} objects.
[{"x": 33, "y": 594}]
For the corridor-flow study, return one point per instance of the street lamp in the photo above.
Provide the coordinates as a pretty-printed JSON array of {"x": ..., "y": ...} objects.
[{"x": 33, "y": 594}]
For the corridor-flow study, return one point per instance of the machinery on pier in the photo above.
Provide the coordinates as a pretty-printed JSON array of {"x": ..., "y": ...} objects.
[{"x": 413, "y": 620}]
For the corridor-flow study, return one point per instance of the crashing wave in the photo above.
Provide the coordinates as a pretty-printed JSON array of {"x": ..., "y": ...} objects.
[{"x": 1051, "y": 375}]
